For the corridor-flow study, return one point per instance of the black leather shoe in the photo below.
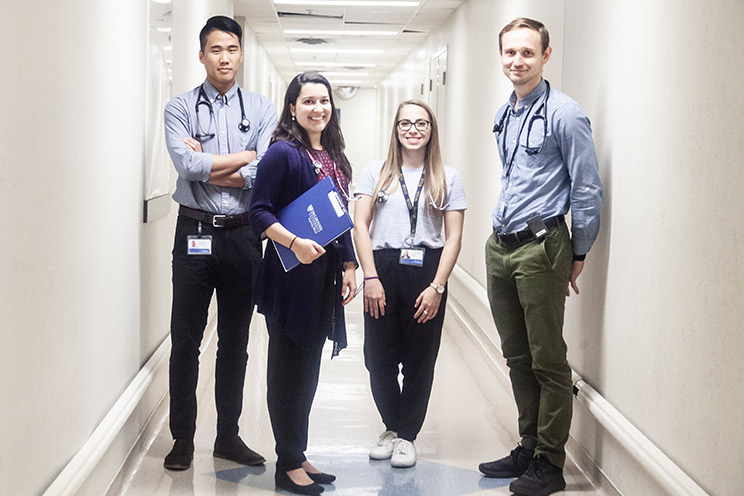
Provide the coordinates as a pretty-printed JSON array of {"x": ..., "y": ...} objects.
[
  {"x": 234, "y": 449},
  {"x": 322, "y": 478},
  {"x": 513, "y": 465},
  {"x": 180, "y": 456},
  {"x": 541, "y": 479},
  {"x": 282, "y": 481}
]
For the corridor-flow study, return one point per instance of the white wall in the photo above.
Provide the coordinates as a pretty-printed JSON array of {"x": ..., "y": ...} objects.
[
  {"x": 659, "y": 331},
  {"x": 359, "y": 126},
  {"x": 85, "y": 285},
  {"x": 71, "y": 205},
  {"x": 657, "y": 327}
]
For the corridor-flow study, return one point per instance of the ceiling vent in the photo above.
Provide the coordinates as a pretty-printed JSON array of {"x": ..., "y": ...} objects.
[
  {"x": 311, "y": 41},
  {"x": 308, "y": 15}
]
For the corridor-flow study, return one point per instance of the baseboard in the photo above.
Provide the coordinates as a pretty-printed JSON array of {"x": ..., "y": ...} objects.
[{"x": 98, "y": 462}]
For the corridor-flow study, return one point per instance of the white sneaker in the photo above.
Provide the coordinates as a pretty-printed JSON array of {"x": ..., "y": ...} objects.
[
  {"x": 384, "y": 447},
  {"x": 404, "y": 454}
]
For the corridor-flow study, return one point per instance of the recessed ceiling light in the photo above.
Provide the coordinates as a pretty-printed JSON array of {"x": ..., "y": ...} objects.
[
  {"x": 331, "y": 64},
  {"x": 324, "y": 32},
  {"x": 348, "y": 3},
  {"x": 342, "y": 74},
  {"x": 337, "y": 50}
]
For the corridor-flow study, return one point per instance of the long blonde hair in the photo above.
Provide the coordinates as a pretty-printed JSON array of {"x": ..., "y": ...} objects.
[{"x": 435, "y": 184}]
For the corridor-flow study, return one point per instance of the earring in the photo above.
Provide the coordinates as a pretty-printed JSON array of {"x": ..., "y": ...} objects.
[{"x": 293, "y": 118}]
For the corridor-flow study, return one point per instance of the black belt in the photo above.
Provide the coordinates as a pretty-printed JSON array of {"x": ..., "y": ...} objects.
[
  {"x": 216, "y": 220},
  {"x": 515, "y": 239}
]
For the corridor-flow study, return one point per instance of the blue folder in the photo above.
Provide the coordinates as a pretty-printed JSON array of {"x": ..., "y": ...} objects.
[{"x": 317, "y": 214}]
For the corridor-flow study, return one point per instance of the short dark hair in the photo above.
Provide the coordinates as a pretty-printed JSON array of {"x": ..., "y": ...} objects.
[
  {"x": 220, "y": 23},
  {"x": 289, "y": 130},
  {"x": 525, "y": 22}
]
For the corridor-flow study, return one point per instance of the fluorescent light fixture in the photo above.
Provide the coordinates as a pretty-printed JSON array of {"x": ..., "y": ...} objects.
[
  {"x": 331, "y": 32},
  {"x": 348, "y": 82},
  {"x": 342, "y": 74},
  {"x": 337, "y": 50},
  {"x": 348, "y": 3},
  {"x": 332, "y": 64},
  {"x": 164, "y": 30},
  {"x": 162, "y": 1}
]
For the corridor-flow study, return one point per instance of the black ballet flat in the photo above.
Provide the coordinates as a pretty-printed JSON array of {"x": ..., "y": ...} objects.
[
  {"x": 282, "y": 481},
  {"x": 322, "y": 478}
]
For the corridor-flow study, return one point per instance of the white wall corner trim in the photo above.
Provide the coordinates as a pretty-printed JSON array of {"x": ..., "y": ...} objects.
[{"x": 468, "y": 303}]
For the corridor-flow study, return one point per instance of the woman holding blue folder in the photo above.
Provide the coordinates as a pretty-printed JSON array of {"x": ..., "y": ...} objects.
[
  {"x": 403, "y": 203},
  {"x": 303, "y": 307}
]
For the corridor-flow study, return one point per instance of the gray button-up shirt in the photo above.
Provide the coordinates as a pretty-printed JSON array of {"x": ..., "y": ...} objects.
[{"x": 181, "y": 120}]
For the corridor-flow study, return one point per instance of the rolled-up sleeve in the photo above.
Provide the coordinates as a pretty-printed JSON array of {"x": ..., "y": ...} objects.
[
  {"x": 578, "y": 151},
  {"x": 190, "y": 165},
  {"x": 267, "y": 119}
]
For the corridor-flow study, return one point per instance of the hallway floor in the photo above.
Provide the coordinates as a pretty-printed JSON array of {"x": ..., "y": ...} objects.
[{"x": 471, "y": 419}]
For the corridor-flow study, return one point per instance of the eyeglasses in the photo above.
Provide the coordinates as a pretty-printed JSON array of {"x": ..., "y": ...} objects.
[{"x": 420, "y": 125}]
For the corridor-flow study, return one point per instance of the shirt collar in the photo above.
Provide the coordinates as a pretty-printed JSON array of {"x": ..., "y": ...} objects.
[
  {"x": 530, "y": 98},
  {"x": 212, "y": 93}
]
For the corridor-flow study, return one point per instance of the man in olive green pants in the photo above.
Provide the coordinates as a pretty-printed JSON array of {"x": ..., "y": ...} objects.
[{"x": 549, "y": 167}]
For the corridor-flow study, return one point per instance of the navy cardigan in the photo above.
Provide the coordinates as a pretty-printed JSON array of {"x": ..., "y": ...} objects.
[{"x": 300, "y": 300}]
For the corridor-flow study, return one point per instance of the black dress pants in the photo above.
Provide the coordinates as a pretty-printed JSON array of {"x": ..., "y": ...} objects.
[
  {"x": 292, "y": 375},
  {"x": 292, "y": 379},
  {"x": 230, "y": 270},
  {"x": 397, "y": 339}
]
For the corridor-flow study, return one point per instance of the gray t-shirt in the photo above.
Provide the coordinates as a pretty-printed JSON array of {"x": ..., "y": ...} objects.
[{"x": 391, "y": 224}]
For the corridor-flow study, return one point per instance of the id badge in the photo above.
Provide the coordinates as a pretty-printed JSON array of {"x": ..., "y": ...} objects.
[
  {"x": 412, "y": 256},
  {"x": 199, "y": 245}
]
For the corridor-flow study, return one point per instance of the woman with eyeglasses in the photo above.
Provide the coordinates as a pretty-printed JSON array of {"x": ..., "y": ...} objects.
[
  {"x": 303, "y": 307},
  {"x": 403, "y": 203}
]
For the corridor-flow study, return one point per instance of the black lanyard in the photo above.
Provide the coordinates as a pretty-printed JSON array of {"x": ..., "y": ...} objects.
[{"x": 412, "y": 207}]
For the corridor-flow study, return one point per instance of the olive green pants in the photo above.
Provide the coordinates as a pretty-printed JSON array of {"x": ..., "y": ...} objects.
[{"x": 527, "y": 293}]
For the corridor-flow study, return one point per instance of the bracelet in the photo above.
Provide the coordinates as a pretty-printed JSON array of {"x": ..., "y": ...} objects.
[
  {"x": 349, "y": 263},
  {"x": 579, "y": 258},
  {"x": 371, "y": 277},
  {"x": 292, "y": 242}
]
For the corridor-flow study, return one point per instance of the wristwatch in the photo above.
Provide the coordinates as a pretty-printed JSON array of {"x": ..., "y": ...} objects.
[{"x": 439, "y": 288}]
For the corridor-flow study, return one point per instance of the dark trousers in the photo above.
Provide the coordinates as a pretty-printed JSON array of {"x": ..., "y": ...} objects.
[
  {"x": 229, "y": 270},
  {"x": 292, "y": 379},
  {"x": 527, "y": 293},
  {"x": 396, "y": 338}
]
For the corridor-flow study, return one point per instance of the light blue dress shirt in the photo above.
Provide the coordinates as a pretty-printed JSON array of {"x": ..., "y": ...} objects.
[
  {"x": 563, "y": 175},
  {"x": 192, "y": 187}
]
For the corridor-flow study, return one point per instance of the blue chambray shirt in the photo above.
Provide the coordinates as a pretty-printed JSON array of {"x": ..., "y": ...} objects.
[
  {"x": 565, "y": 174},
  {"x": 194, "y": 168}
]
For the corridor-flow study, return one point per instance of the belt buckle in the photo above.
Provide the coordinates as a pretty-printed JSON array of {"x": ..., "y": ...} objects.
[{"x": 215, "y": 218}]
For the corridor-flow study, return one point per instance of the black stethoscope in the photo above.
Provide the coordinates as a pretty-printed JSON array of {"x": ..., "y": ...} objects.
[
  {"x": 540, "y": 113},
  {"x": 202, "y": 99}
]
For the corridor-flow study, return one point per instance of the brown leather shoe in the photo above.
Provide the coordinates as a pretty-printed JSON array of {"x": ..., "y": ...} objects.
[{"x": 234, "y": 449}]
